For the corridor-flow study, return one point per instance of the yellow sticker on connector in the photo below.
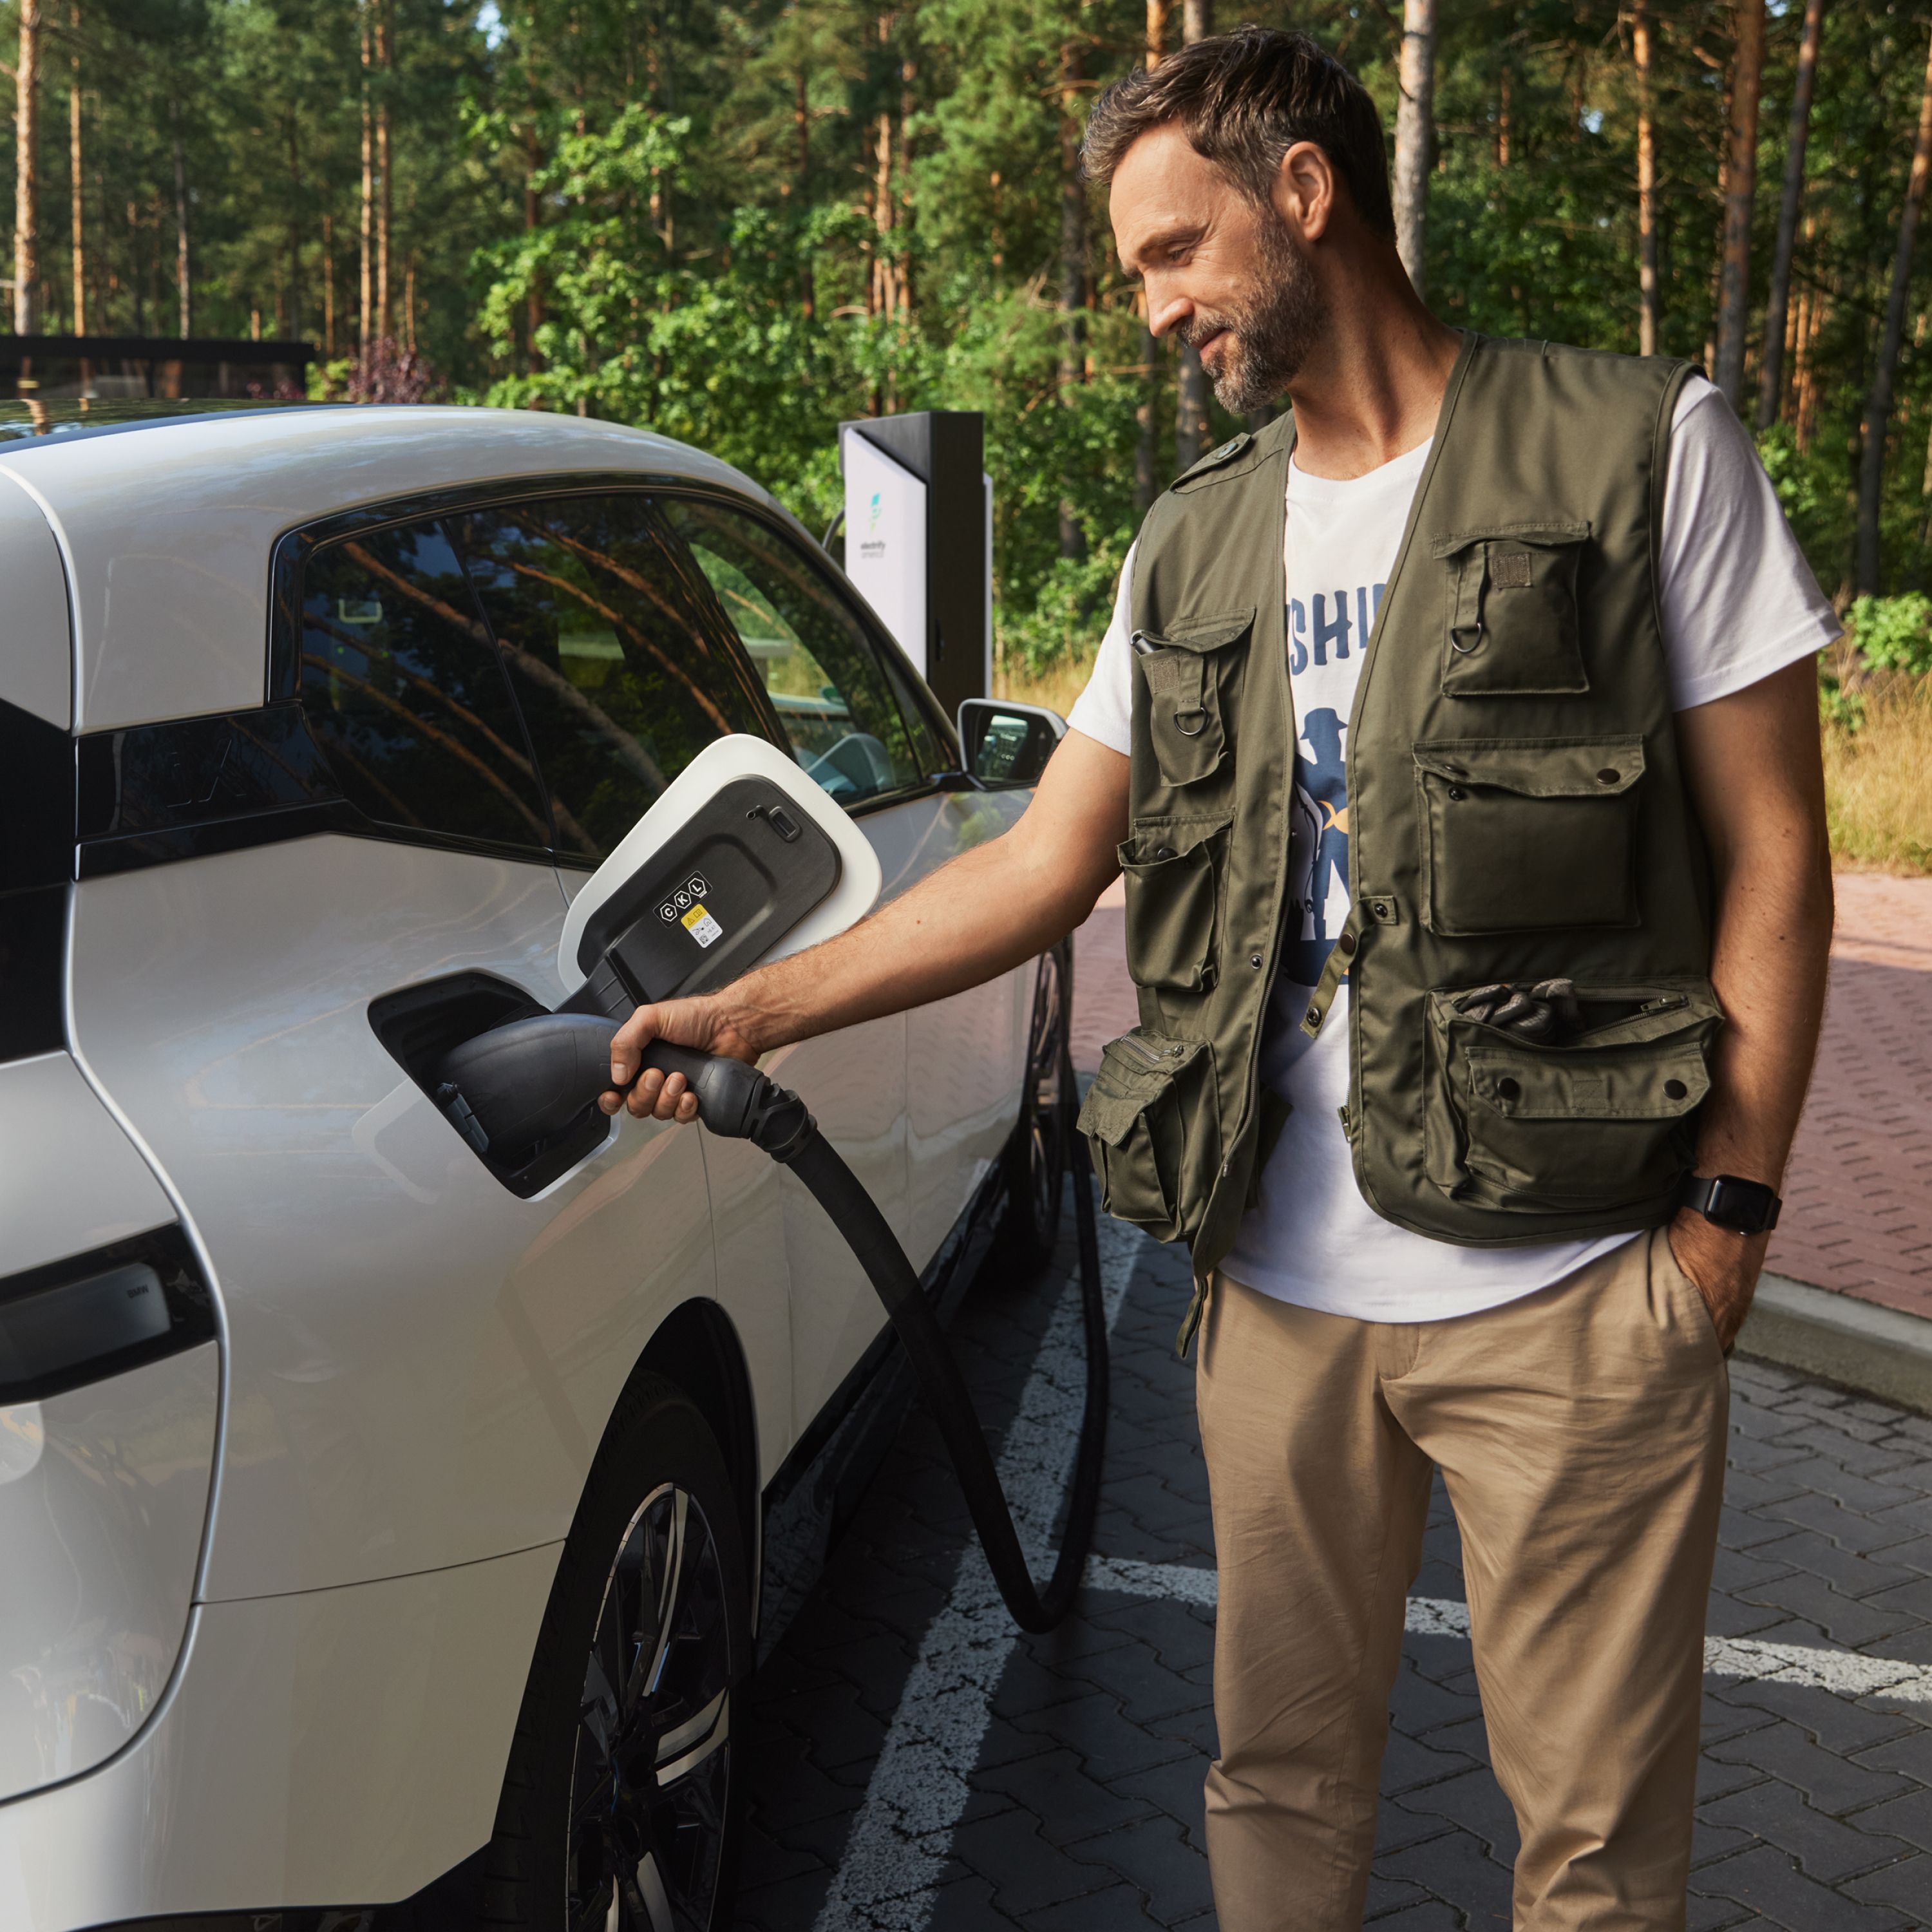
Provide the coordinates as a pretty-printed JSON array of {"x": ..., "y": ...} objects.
[{"x": 702, "y": 927}]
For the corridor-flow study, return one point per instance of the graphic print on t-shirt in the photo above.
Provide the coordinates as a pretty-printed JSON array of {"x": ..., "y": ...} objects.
[{"x": 1325, "y": 644}]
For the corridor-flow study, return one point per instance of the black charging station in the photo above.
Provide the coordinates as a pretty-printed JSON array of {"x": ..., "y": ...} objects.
[{"x": 944, "y": 451}]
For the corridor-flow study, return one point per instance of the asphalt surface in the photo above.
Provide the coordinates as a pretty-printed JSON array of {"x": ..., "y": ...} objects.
[{"x": 916, "y": 1765}]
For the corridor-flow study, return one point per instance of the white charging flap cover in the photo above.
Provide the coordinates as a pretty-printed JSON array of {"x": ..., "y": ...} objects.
[{"x": 738, "y": 756}]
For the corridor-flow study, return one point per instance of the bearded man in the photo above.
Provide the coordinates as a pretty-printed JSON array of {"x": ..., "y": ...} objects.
[{"x": 1456, "y": 733}]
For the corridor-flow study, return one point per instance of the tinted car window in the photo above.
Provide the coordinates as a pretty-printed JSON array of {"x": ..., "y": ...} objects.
[
  {"x": 401, "y": 684},
  {"x": 622, "y": 669},
  {"x": 823, "y": 678}
]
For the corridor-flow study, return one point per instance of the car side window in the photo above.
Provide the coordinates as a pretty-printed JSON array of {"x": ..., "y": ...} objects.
[
  {"x": 621, "y": 672},
  {"x": 401, "y": 683},
  {"x": 820, "y": 670}
]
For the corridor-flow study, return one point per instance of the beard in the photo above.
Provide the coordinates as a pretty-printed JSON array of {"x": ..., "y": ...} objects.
[{"x": 1270, "y": 330}]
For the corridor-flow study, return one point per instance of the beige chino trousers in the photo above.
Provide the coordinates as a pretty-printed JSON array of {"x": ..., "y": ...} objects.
[{"x": 1580, "y": 1432}]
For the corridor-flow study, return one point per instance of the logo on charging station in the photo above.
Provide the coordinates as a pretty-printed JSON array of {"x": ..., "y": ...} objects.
[{"x": 686, "y": 908}]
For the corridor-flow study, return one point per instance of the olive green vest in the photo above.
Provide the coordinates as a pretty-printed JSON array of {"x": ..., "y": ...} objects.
[{"x": 1515, "y": 812}]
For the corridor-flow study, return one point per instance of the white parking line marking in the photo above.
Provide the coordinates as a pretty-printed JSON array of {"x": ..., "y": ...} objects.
[
  {"x": 1845, "y": 1673},
  {"x": 919, "y": 1787}
]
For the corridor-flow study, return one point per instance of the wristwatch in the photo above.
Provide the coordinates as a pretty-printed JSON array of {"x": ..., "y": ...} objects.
[{"x": 1745, "y": 1207}]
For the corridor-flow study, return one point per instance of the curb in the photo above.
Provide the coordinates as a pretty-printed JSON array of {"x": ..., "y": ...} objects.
[{"x": 1858, "y": 1344}]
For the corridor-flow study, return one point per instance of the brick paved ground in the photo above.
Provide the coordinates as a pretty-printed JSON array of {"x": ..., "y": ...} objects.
[
  {"x": 1082, "y": 1794},
  {"x": 1858, "y": 1214}
]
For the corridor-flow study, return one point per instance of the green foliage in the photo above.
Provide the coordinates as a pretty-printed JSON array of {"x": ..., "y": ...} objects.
[
  {"x": 1894, "y": 633},
  {"x": 670, "y": 215}
]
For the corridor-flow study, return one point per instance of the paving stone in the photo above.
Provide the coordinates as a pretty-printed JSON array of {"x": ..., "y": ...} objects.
[
  {"x": 1145, "y": 1687},
  {"x": 1848, "y": 1571},
  {"x": 1841, "y": 1726},
  {"x": 1176, "y": 1789},
  {"x": 1158, "y": 1859},
  {"x": 1474, "y": 1801},
  {"x": 1024, "y": 1868},
  {"x": 1844, "y": 1620},
  {"x": 1388, "y": 1895},
  {"x": 1906, "y": 1886},
  {"x": 1056, "y": 1788},
  {"x": 1833, "y": 1783},
  {"x": 1455, "y": 1869},
  {"x": 1770, "y": 1883},
  {"x": 1431, "y": 1916},
  {"x": 1119, "y": 1908},
  {"x": 1850, "y": 1529},
  {"x": 1908, "y": 1817},
  {"x": 1825, "y": 1847}
]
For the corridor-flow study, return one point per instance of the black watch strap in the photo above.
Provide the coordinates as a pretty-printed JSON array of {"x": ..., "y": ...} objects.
[{"x": 1745, "y": 1207}]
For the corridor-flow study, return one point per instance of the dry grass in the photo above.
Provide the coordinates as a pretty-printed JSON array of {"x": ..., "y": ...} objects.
[
  {"x": 1878, "y": 781},
  {"x": 1056, "y": 689}
]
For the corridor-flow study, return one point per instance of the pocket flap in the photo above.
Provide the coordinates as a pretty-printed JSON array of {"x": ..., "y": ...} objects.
[
  {"x": 1538, "y": 767},
  {"x": 1651, "y": 1086},
  {"x": 1135, "y": 1071},
  {"x": 1157, "y": 841},
  {"x": 1549, "y": 532},
  {"x": 1209, "y": 633}
]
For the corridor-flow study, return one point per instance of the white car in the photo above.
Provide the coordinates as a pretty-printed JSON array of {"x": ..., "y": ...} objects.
[{"x": 385, "y": 1527}]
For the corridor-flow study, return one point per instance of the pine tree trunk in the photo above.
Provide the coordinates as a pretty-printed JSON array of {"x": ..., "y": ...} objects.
[
  {"x": 77, "y": 180},
  {"x": 1878, "y": 404},
  {"x": 1740, "y": 186},
  {"x": 366, "y": 304},
  {"x": 1415, "y": 123},
  {"x": 1503, "y": 118},
  {"x": 26, "y": 174},
  {"x": 1646, "y": 187},
  {"x": 1190, "y": 399},
  {"x": 183, "y": 277},
  {"x": 386, "y": 61},
  {"x": 801, "y": 123},
  {"x": 328, "y": 287},
  {"x": 295, "y": 228},
  {"x": 1073, "y": 267},
  {"x": 1771, "y": 377}
]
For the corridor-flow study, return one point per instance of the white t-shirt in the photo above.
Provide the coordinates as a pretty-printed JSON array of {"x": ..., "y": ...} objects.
[{"x": 1739, "y": 602}]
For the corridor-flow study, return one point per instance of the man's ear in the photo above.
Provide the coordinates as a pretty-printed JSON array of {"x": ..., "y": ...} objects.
[{"x": 1305, "y": 190}]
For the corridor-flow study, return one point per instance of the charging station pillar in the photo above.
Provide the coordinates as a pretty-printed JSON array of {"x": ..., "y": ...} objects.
[{"x": 919, "y": 541}]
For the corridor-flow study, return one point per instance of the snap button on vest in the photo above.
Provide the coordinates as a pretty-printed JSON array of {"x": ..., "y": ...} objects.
[
  {"x": 1347, "y": 943},
  {"x": 1608, "y": 774}
]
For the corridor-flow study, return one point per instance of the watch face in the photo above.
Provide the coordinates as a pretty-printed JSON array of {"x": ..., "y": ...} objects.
[{"x": 1746, "y": 1206}]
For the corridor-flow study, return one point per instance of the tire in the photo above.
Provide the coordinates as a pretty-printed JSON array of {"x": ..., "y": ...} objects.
[
  {"x": 620, "y": 1808},
  {"x": 1037, "y": 1154}
]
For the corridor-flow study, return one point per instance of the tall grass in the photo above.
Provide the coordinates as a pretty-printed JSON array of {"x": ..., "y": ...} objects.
[
  {"x": 1878, "y": 778},
  {"x": 1877, "y": 730}
]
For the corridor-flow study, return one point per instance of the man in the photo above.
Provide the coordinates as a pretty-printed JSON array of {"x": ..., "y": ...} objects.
[{"x": 1485, "y": 681}]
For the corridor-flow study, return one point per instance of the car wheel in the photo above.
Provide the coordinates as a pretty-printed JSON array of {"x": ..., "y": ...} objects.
[
  {"x": 1037, "y": 1157},
  {"x": 619, "y": 1807}
]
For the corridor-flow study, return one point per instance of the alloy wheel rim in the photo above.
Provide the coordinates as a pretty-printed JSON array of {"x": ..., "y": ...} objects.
[{"x": 651, "y": 1764}]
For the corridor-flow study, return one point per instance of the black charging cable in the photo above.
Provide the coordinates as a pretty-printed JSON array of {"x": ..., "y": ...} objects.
[{"x": 564, "y": 1058}]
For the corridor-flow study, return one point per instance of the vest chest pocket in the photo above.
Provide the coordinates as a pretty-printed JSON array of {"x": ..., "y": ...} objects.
[
  {"x": 1182, "y": 671},
  {"x": 1521, "y": 835},
  {"x": 1511, "y": 621},
  {"x": 1172, "y": 869},
  {"x": 1602, "y": 1120},
  {"x": 1152, "y": 1116}
]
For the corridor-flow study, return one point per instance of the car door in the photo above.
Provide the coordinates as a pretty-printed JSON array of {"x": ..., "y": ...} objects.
[
  {"x": 622, "y": 675},
  {"x": 853, "y": 720},
  {"x": 421, "y": 1357}
]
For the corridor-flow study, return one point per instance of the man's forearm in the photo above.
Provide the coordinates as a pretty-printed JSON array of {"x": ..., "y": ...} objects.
[
  {"x": 1769, "y": 958},
  {"x": 984, "y": 913}
]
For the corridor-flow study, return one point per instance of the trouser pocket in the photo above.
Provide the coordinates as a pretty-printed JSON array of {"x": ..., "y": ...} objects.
[
  {"x": 1151, "y": 1114},
  {"x": 1601, "y": 1121},
  {"x": 1172, "y": 869}
]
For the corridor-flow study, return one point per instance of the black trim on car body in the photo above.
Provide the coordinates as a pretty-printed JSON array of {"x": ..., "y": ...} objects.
[
  {"x": 37, "y": 815},
  {"x": 42, "y": 1309}
]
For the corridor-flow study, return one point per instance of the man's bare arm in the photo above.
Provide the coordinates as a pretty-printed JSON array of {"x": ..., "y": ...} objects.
[
  {"x": 989, "y": 910},
  {"x": 1752, "y": 763}
]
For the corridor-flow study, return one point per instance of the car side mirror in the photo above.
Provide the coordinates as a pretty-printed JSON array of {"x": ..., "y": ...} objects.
[{"x": 1003, "y": 743}]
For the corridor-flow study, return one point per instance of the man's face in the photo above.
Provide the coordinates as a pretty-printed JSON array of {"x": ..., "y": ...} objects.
[{"x": 1222, "y": 273}]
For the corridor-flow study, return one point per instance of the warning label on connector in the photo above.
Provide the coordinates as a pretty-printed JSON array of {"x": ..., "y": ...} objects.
[{"x": 701, "y": 926}]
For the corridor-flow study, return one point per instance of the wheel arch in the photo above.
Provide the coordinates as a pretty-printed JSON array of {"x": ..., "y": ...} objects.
[{"x": 696, "y": 1347}]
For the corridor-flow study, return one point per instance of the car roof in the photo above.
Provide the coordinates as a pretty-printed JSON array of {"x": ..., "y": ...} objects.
[{"x": 168, "y": 519}]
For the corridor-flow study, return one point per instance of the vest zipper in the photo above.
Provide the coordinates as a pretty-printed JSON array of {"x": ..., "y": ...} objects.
[{"x": 1151, "y": 1057}]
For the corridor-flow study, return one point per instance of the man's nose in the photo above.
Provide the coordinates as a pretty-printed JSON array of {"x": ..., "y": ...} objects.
[{"x": 1167, "y": 309}]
